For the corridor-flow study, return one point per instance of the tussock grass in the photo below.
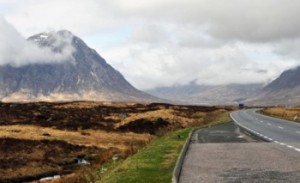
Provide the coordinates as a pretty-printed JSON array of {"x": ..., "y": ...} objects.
[
  {"x": 291, "y": 114},
  {"x": 219, "y": 117},
  {"x": 97, "y": 138}
]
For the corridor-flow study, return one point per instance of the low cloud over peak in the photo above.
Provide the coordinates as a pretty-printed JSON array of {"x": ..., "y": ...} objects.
[{"x": 15, "y": 50}]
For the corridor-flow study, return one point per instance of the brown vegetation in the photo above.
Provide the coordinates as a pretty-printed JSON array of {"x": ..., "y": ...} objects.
[
  {"x": 40, "y": 139},
  {"x": 291, "y": 114},
  {"x": 23, "y": 160}
]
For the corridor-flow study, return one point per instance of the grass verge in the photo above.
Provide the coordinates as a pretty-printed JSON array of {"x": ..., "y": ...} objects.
[{"x": 155, "y": 162}]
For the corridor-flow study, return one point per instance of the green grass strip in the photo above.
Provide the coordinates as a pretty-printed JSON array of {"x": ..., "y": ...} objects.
[{"x": 154, "y": 163}]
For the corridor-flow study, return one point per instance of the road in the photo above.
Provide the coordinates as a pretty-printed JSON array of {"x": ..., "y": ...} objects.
[
  {"x": 282, "y": 132},
  {"x": 229, "y": 153}
]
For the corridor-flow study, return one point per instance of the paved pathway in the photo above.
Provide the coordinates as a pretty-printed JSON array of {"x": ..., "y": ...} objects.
[{"x": 228, "y": 154}]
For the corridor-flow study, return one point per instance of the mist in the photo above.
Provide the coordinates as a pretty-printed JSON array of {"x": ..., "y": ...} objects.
[{"x": 15, "y": 50}]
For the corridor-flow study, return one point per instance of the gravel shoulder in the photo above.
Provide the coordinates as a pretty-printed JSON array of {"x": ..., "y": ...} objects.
[{"x": 225, "y": 133}]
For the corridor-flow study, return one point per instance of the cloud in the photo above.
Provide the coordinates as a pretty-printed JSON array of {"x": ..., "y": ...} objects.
[
  {"x": 249, "y": 20},
  {"x": 149, "y": 33},
  {"x": 169, "y": 65},
  {"x": 17, "y": 51},
  {"x": 169, "y": 42},
  {"x": 80, "y": 16}
]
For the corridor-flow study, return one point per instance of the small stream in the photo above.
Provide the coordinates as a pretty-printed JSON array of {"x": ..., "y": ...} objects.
[{"x": 54, "y": 175}]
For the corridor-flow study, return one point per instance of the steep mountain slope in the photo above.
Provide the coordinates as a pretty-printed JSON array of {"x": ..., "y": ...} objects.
[
  {"x": 208, "y": 94},
  {"x": 285, "y": 90},
  {"x": 288, "y": 80},
  {"x": 84, "y": 75}
]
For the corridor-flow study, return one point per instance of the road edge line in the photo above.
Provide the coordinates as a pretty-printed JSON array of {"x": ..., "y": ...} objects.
[
  {"x": 254, "y": 133},
  {"x": 263, "y": 137}
]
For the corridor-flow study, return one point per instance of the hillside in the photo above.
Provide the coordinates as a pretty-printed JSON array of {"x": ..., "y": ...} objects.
[
  {"x": 208, "y": 94},
  {"x": 85, "y": 75},
  {"x": 285, "y": 90}
]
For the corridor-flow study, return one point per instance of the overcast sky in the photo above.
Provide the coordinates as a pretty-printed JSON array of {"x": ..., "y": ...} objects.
[{"x": 157, "y": 43}]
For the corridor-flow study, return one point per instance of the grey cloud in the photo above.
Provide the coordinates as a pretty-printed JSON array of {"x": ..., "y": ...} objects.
[
  {"x": 195, "y": 36},
  {"x": 176, "y": 41},
  {"x": 288, "y": 49},
  {"x": 256, "y": 21},
  {"x": 246, "y": 20},
  {"x": 149, "y": 34},
  {"x": 242, "y": 20},
  {"x": 262, "y": 71}
]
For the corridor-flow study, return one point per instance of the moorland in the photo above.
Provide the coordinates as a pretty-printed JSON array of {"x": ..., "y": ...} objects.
[{"x": 45, "y": 139}]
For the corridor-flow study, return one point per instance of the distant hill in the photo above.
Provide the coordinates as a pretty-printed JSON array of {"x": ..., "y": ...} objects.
[
  {"x": 86, "y": 76},
  {"x": 285, "y": 90},
  {"x": 208, "y": 94}
]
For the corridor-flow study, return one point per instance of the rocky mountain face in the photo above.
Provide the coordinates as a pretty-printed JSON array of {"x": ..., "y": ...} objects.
[
  {"x": 285, "y": 90},
  {"x": 84, "y": 75},
  {"x": 208, "y": 94}
]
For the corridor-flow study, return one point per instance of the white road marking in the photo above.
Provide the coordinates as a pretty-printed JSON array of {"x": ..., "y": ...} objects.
[
  {"x": 261, "y": 121},
  {"x": 266, "y": 137}
]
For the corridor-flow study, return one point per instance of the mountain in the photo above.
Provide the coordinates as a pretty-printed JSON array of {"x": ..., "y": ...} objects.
[
  {"x": 84, "y": 75},
  {"x": 208, "y": 94},
  {"x": 285, "y": 90}
]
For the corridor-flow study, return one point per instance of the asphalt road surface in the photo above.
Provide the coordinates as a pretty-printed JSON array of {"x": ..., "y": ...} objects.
[
  {"x": 282, "y": 132},
  {"x": 229, "y": 153}
]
